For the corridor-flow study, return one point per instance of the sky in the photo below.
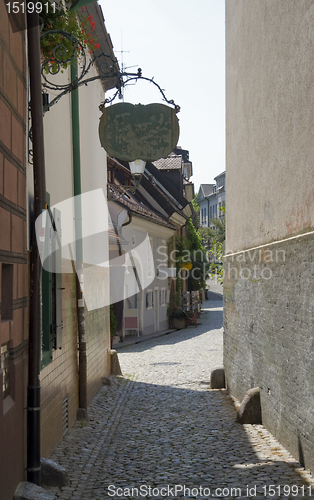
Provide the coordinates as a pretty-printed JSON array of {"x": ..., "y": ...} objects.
[{"x": 181, "y": 43}]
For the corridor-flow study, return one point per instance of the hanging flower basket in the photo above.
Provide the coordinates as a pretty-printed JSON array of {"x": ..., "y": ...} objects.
[{"x": 65, "y": 36}]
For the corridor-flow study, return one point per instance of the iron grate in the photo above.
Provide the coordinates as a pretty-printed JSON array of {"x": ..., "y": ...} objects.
[{"x": 65, "y": 415}]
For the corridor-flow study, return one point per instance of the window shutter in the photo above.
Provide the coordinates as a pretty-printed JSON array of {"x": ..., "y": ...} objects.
[{"x": 57, "y": 255}]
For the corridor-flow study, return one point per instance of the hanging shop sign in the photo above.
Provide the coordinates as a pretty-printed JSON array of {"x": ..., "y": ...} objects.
[{"x": 129, "y": 132}]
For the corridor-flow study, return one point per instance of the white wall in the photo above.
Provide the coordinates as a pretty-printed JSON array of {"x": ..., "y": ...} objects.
[{"x": 58, "y": 145}]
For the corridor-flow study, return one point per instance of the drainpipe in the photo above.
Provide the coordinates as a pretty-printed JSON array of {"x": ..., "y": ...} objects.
[
  {"x": 34, "y": 338},
  {"x": 118, "y": 306},
  {"x": 79, "y": 245}
]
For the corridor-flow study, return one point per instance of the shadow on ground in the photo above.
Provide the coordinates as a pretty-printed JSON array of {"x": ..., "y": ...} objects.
[
  {"x": 209, "y": 320},
  {"x": 143, "y": 436}
]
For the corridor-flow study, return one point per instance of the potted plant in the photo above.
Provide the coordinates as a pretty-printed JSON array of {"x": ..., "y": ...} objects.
[{"x": 177, "y": 318}]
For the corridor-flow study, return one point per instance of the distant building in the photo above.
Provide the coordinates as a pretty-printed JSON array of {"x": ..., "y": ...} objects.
[
  {"x": 211, "y": 199},
  {"x": 156, "y": 211},
  {"x": 177, "y": 168}
]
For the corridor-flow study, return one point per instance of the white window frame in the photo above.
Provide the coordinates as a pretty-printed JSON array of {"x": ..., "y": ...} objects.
[{"x": 149, "y": 299}]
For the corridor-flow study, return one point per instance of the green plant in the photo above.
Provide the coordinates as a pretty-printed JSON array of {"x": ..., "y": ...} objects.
[
  {"x": 195, "y": 212},
  {"x": 191, "y": 257},
  {"x": 58, "y": 49},
  {"x": 175, "y": 313},
  {"x": 113, "y": 322},
  {"x": 216, "y": 264}
]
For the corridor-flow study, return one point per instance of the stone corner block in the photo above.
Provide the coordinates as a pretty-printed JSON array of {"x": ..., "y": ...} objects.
[
  {"x": 250, "y": 411},
  {"x": 106, "y": 381},
  {"x": 30, "y": 491},
  {"x": 217, "y": 378},
  {"x": 81, "y": 414},
  {"x": 115, "y": 365},
  {"x": 53, "y": 474}
]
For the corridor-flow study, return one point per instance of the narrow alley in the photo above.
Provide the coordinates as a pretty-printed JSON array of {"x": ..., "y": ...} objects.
[{"x": 160, "y": 432}]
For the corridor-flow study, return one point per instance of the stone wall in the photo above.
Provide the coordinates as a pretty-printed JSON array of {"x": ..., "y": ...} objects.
[
  {"x": 269, "y": 336},
  {"x": 269, "y": 263}
]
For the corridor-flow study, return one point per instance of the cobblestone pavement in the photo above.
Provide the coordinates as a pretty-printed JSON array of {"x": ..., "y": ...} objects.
[{"x": 160, "y": 430}]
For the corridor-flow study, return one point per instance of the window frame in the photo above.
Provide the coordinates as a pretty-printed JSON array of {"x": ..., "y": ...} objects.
[{"x": 52, "y": 323}]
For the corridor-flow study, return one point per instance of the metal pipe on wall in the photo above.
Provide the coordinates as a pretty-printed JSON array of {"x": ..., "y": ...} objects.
[
  {"x": 79, "y": 241},
  {"x": 33, "y": 389}
]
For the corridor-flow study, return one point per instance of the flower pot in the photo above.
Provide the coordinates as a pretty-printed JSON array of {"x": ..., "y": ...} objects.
[{"x": 178, "y": 323}]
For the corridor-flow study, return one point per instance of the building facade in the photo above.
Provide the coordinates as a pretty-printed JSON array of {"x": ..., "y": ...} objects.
[
  {"x": 13, "y": 255},
  {"x": 78, "y": 160},
  {"x": 268, "y": 267},
  {"x": 59, "y": 377},
  {"x": 211, "y": 199},
  {"x": 146, "y": 222}
]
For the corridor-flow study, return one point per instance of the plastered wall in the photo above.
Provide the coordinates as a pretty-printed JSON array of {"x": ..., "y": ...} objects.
[
  {"x": 269, "y": 120},
  {"x": 269, "y": 262}
]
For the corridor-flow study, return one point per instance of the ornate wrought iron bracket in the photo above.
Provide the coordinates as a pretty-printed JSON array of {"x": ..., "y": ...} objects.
[{"x": 71, "y": 48}]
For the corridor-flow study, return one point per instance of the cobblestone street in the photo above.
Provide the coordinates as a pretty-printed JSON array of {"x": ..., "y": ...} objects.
[{"x": 160, "y": 430}]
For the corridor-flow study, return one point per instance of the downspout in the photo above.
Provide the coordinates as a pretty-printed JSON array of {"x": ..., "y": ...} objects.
[
  {"x": 131, "y": 255},
  {"x": 128, "y": 221},
  {"x": 34, "y": 336},
  {"x": 79, "y": 245},
  {"x": 118, "y": 306},
  {"x": 137, "y": 278}
]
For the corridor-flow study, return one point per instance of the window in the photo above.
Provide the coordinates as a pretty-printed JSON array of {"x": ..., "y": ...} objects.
[
  {"x": 5, "y": 366},
  {"x": 149, "y": 299},
  {"x": 7, "y": 292},
  {"x": 163, "y": 297},
  {"x": 203, "y": 216},
  {"x": 52, "y": 286}
]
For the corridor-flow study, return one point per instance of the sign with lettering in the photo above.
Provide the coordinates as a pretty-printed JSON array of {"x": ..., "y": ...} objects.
[{"x": 147, "y": 132}]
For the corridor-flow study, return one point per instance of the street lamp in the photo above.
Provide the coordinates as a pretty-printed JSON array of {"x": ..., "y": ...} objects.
[{"x": 137, "y": 170}]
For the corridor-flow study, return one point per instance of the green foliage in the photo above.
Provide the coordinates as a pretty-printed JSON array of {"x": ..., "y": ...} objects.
[
  {"x": 194, "y": 241},
  {"x": 216, "y": 265},
  {"x": 213, "y": 239},
  {"x": 195, "y": 212},
  {"x": 176, "y": 313},
  {"x": 192, "y": 257},
  {"x": 113, "y": 322},
  {"x": 218, "y": 234}
]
